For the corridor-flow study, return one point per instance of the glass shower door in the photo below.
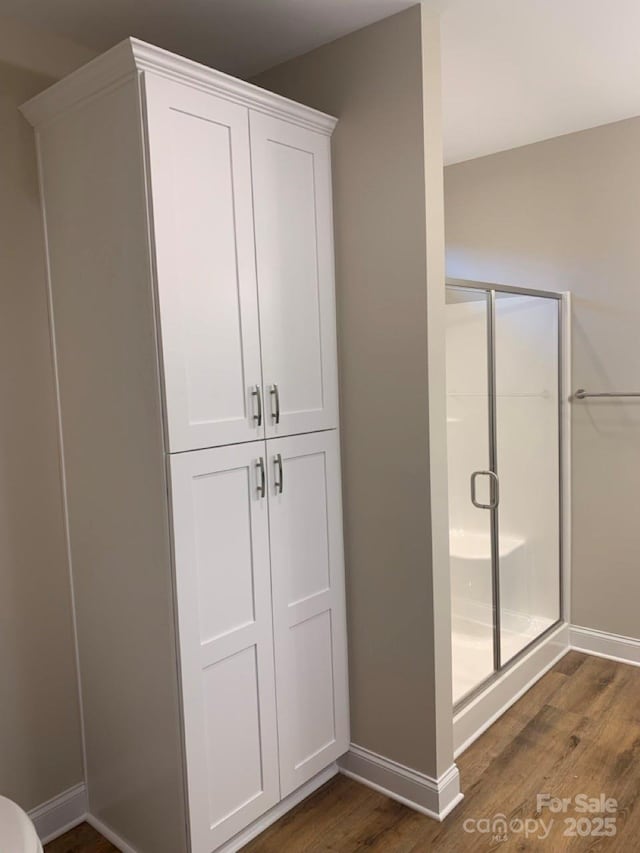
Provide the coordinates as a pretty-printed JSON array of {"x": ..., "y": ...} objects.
[
  {"x": 526, "y": 340},
  {"x": 503, "y": 433},
  {"x": 467, "y": 317}
]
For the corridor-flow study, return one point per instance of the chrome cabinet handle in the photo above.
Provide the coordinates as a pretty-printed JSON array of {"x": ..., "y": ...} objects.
[
  {"x": 262, "y": 486},
  {"x": 279, "y": 482},
  {"x": 276, "y": 398},
  {"x": 495, "y": 491},
  {"x": 258, "y": 394}
]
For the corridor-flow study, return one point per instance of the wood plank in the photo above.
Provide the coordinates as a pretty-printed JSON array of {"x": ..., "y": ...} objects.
[
  {"x": 81, "y": 839},
  {"x": 486, "y": 749},
  {"x": 340, "y": 801},
  {"x": 570, "y": 662}
]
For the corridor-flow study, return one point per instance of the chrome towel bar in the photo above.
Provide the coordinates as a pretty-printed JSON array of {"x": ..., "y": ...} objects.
[{"x": 580, "y": 394}]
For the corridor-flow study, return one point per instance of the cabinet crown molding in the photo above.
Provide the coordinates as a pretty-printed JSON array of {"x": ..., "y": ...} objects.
[{"x": 133, "y": 56}]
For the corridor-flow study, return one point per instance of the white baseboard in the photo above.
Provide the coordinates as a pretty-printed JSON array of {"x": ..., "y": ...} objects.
[
  {"x": 67, "y": 810},
  {"x": 274, "y": 814},
  {"x": 61, "y": 813},
  {"x": 603, "y": 645},
  {"x": 109, "y": 834},
  {"x": 432, "y": 797}
]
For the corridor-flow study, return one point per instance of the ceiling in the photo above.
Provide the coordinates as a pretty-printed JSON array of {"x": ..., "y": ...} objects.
[
  {"x": 514, "y": 71},
  {"x": 240, "y": 37},
  {"x": 518, "y": 71}
]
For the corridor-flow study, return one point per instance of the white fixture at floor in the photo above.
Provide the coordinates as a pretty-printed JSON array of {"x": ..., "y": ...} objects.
[{"x": 17, "y": 833}]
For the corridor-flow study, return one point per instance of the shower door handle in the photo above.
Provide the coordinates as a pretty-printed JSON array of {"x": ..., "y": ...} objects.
[{"x": 495, "y": 490}]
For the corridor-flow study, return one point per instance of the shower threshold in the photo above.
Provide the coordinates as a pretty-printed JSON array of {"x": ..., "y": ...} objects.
[{"x": 472, "y": 648}]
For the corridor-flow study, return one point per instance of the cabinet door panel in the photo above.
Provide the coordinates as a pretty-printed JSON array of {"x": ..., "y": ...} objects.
[
  {"x": 307, "y": 568},
  {"x": 226, "y": 643},
  {"x": 203, "y": 228},
  {"x": 291, "y": 172}
]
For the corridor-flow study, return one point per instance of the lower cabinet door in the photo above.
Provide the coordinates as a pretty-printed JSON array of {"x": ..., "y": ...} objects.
[
  {"x": 307, "y": 568},
  {"x": 221, "y": 541}
]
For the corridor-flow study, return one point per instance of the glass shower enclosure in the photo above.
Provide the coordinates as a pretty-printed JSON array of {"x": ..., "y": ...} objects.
[{"x": 503, "y": 353}]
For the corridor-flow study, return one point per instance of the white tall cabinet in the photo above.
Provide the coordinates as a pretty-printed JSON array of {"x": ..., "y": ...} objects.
[{"x": 190, "y": 259}]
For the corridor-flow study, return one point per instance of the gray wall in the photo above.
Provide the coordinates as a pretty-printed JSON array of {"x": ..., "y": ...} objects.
[
  {"x": 375, "y": 81},
  {"x": 565, "y": 214},
  {"x": 40, "y": 746}
]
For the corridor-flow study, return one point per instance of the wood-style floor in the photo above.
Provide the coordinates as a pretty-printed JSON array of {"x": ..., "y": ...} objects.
[
  {"x": 577, "y": 731},
  {"x": 82, "y": 839}
]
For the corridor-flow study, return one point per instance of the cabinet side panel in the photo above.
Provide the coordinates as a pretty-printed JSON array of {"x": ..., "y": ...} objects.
[{"x": 103, "y": 313}]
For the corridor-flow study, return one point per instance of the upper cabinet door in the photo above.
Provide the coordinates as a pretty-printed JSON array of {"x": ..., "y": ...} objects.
[
  {"x": 204, "y": 248},
  {"x": 291, "y": 171},
  {"x": 309, "y": 621}
]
